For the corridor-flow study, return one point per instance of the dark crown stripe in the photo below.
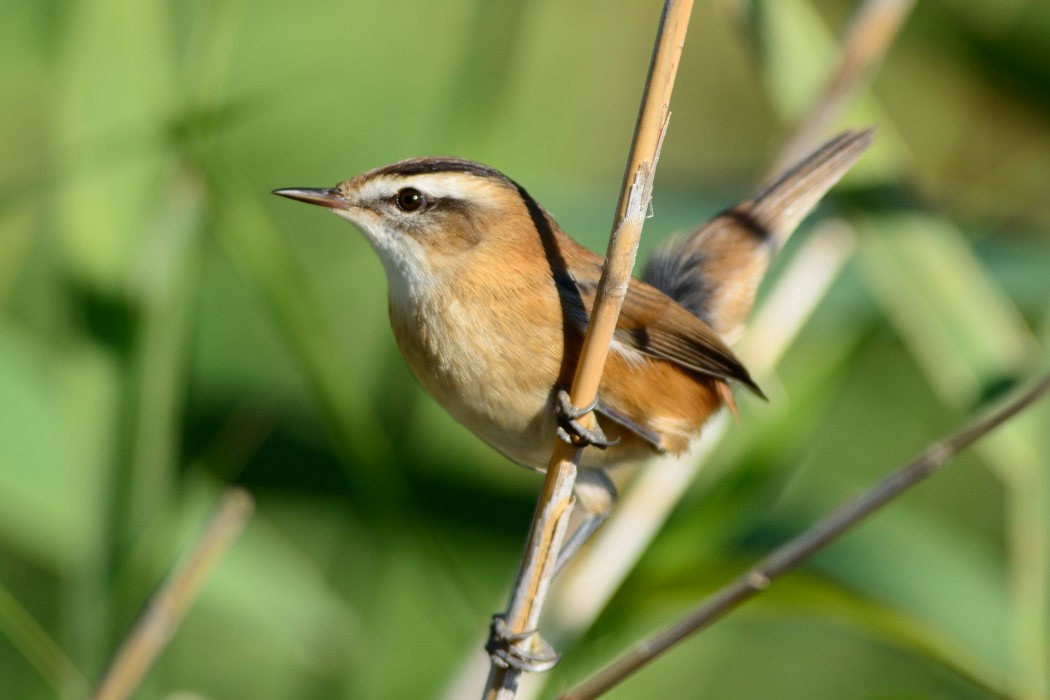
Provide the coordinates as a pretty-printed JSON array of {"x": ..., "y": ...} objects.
[{"x": 426, "y": 166}]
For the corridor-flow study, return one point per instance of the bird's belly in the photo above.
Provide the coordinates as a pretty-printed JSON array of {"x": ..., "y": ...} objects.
[{"x": 498, "y": 386}]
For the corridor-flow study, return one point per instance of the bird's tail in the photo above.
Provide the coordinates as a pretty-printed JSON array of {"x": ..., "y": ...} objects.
[{"x": 715, "y": 271}]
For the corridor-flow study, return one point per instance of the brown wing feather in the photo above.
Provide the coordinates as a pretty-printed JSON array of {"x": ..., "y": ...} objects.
[{"x": 654, "y": 325}]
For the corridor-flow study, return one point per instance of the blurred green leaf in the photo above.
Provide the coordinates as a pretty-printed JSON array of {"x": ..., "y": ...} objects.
[
  {"x": 963, "y": 330},
  {"x": 257, "y": 249},
  {"x": 57, "y": 417},
  {"x": 805, "y": 637},
  {"x": 800, "y": 53},
  {"x": 164, "y": 287},
  {"x": 802, "y": 595},
  {"x": 266, "y": 579},
  {"x": 265, "y": 599},
  {"x": 930, "y": 571},
  {"x": 17, "y": 227},
  {"x": 484, "y": 74},
  {"x": 118, "y": 80}
]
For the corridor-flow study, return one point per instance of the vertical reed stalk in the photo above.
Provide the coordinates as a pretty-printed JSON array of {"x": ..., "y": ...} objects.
[{"x": 555, "y": 504}]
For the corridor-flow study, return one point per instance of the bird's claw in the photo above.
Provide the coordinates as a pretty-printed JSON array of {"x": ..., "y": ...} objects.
[
  {"x": 568, "y": 411},
  {"x": 572, "y": 431},
  {"x": 527, "y": 652}
]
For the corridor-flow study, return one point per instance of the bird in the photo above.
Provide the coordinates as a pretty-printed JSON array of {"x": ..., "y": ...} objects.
[{"x": 489, "y": 300}]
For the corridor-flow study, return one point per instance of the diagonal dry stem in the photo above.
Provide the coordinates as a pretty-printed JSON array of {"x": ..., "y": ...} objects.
[
  {"x": 555, "y": 503},
  {"x": 873, "y": 28},
  {"x": 162, "y": 615},
  {"x": 795, "y": 552}
]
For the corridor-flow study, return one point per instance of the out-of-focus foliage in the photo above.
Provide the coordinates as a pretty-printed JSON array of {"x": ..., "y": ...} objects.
[{"x": 168, "y": 327}]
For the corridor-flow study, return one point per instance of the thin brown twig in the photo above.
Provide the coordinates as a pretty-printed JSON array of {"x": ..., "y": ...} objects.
[
  {"x": 555, "y": 503},
  {"x": 801, "y": 548},
  {"x": 162, "y": 615}
]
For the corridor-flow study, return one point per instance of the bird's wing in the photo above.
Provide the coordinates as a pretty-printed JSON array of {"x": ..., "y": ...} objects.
[{"x": 651, "y": 323}]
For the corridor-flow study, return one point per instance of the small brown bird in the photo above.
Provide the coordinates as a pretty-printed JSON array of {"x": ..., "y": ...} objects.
[{"x": 489, "y": 300}]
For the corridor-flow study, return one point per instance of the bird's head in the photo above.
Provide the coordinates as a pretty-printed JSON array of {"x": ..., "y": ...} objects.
[{"x": 426, "y": 214}]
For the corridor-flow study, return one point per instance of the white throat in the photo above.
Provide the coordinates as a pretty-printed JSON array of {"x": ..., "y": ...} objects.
[{"x": 410, "y": 279}]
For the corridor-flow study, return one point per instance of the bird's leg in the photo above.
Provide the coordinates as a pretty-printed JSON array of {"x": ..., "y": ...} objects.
[
  {"x": 596, "y": 494},
  {"x": 572, "y": 431},
  {"x": 580, "y": 536},
  {"x": 526, "y": 652},
  {"x": 595, "y": 489}
]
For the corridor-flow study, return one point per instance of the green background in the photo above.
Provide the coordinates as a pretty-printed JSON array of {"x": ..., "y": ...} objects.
[{"x": 168, "y": 327}]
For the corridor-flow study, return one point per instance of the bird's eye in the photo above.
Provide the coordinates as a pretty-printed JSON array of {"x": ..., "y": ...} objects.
[{"x": 410, "y": 199}]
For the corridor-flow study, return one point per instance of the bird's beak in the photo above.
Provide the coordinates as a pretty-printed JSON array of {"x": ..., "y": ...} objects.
[{"x": 321, "y": 196}]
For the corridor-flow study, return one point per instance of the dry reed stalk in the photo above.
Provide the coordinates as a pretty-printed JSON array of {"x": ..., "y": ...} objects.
[
  {"x": 555, "y": 503},
  {"x": 872, "y": 29},
  {"x": 788, "y": 556},
  {"x": 161, "y": 617}
]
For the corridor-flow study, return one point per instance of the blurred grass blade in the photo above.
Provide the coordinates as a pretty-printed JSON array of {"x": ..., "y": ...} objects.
[
  {"x": 874, "y": 26},
  {"x": 39, "y": 649},
  {"x": 256, "y": 248},
  {"x": 969, "y": 339},
  {"x": 18, "y": 225},
  {"x": 808, "y": 79},
  {"x": 819, "y": 599},
  {"x": 482, "y": 80},
  {"x": 117, "y": 77},
  {"x": 961, "y": 327},
  {"x": 274, "y": 583},
  {"x": 164, "y": 287},
  {"x": 928, "y": 572},
  {"x": 58, "y": 417},
  {"x": 798, "y": 51},
  {"x": 811, "y": 597},
  {"x": 209, "y": 49}
]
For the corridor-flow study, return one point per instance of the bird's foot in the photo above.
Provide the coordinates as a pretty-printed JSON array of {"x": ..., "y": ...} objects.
[
  {"x": 527, "y": 652},
  {"x": 572, "y": 431}
]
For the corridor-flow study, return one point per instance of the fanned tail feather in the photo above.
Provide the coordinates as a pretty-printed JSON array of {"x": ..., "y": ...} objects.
[{"x": 715, "y": 271}]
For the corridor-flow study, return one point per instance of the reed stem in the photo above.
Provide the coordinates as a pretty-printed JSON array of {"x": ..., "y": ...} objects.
[{"x": 555, "y": 504}]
